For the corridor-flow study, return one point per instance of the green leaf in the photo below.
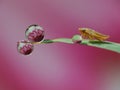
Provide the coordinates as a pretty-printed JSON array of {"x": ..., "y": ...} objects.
[
  {"x": 63, "y": 40},
  {"x": 112, "y": 46},
  {"x": 104, "y": 45}
]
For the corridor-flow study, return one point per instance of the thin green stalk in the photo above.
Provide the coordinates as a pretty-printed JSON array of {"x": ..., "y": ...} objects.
[{"x": 112, "y": 46}]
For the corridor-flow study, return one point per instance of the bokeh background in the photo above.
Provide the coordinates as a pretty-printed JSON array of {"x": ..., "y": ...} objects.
[{"x": 59, "y": 66}]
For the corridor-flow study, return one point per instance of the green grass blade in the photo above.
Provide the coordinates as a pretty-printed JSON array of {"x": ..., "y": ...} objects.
[
  {"x": 104, "y": 45},
  {"x": 112, "y": 46},
  {"x": 63, "y": 40}
]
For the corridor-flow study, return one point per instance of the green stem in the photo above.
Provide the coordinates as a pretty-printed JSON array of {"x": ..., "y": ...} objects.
[{"x": 94, "y": 43}]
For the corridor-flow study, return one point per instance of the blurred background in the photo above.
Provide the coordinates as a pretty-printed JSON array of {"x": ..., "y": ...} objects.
[{"x": 59, "y": 66}]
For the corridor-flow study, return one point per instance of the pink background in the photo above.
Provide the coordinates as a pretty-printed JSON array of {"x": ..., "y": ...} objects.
[{"x": 59, "y": 66}]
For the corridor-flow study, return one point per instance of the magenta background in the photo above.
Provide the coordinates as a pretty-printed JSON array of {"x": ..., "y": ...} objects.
[{"x": 58, "y": 66}]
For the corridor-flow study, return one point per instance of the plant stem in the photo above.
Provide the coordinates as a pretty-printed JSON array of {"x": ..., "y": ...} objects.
[{"x": 115, "y": 47}]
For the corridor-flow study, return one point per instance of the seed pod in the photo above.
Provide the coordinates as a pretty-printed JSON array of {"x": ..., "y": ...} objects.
[
  {"x": 24, "y": 47},
  {"x": 34, "y": 33}
]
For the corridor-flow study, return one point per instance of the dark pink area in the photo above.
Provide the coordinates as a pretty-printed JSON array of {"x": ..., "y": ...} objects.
[{"x": 58, "y": 66}]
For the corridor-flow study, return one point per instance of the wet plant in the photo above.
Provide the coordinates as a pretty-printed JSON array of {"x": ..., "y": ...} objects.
[{"x": 35, "y": 36}]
